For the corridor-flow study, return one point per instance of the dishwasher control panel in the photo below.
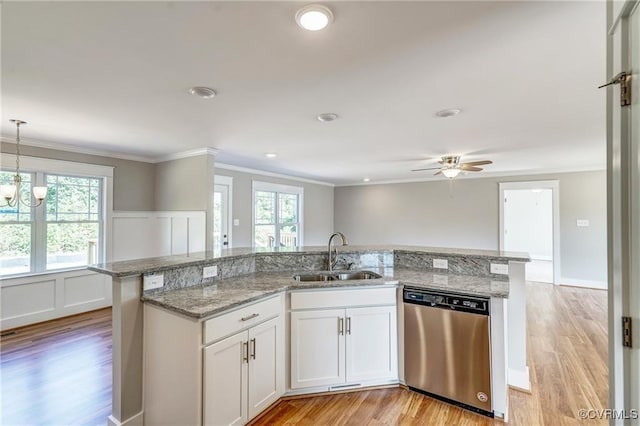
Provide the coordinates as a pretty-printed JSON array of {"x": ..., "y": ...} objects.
[{"x": 477, "y": 305}]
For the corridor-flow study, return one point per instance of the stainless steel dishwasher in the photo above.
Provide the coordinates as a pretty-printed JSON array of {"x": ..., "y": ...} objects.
[{"x": 447, "y": 351}]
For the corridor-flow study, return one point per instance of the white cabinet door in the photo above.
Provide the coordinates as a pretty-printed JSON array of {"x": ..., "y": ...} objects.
[
  {"x": 372, "y": 348},
  {"x": 225, "y": 381},
  {"x": 317, "y": 348},
  {"x": 266, "y": 365}
]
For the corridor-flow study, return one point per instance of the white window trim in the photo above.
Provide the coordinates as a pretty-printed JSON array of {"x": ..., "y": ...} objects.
[
  {"x": 275, "y": 187},
  {"x": 46, "y": 165}
]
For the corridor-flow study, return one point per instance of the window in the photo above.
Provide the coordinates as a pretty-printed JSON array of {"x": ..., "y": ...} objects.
[
  {"x": 73, "y": 222},
  {"x": 67, "y": 230},
  {"x": 277, "y": 215}
]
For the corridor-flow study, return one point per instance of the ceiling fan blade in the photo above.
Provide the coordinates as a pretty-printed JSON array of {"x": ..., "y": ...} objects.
[
  {"x": 438, "y": 173},
  {"x": 468, "y": 168},
  {"x": 477, "y": 163},
  {"x": 430, "y": 168}
]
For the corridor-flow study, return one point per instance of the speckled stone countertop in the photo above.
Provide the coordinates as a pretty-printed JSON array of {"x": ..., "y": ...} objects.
[
  {"x": 142, "y": 266},
  {"x": 201, "y": 302}
]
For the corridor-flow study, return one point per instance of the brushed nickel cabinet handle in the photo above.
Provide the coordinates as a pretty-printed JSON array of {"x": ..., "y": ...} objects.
[
  {"x": 341, "y": 326},
  {"x": 348, "y": 325},
  {"x": 245, "y": 352},
  {"x": 252, "y": 316},
  {"x": 253, "y": 350}
]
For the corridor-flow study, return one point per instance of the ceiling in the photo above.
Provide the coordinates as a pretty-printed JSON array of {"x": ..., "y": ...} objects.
[{"x": 113, "y": 76}]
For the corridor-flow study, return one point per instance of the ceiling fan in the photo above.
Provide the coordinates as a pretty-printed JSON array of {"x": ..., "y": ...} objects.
[{"x": 451, "y": 166}]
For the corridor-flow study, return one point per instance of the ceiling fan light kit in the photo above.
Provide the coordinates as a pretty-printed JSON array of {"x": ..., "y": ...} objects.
[{"x": 451, "y": 166}]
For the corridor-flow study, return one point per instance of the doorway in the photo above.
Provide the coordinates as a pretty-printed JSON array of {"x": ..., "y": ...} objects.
[
  {"x": 529, "y": 222},
  {"x": 222, "y": 196}
]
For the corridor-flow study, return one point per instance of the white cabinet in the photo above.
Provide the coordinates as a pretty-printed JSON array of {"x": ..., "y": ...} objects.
[
  {"x": 317, "y": 348},
  {"x": 371, "y": 343},
  {"x": 243, "y": 374},
  {"x": 350, "y": 345},
  {"x": 225, "y": 377}
]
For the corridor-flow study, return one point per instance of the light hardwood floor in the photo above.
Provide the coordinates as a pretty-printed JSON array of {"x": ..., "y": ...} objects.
[{"x": 59, "y": 373}]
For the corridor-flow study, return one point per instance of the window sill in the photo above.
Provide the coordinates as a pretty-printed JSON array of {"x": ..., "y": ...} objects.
[{"x": 43, "y": 273}]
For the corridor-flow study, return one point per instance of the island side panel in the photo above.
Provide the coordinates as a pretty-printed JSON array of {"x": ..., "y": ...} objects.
[
  {"x": 517, "y": 329},
  {"x": 127, "y": 352}
]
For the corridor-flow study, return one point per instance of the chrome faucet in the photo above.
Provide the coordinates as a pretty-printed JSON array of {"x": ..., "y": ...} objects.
[{"x": 332, "y": 263}]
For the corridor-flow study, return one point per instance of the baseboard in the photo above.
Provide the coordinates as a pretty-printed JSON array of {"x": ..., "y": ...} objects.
[
  {"x": 519, "y": 380},
  {"x": 573, "y": 282},
  {"x": 136, "y": 420}
]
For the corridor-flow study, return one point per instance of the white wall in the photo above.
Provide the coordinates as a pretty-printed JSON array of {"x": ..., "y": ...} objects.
[
  {"x": 318, "y": 206},
  {"x": 528, "y": 221},
  {"x": 429, "y": 213}
]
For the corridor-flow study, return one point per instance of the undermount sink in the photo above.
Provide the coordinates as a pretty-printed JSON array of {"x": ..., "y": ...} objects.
[{"x": 337, "y": 276}]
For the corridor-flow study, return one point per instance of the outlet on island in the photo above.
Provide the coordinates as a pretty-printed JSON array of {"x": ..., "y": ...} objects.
[
  {"x": 441, "y": 263},
  {"x": 210, "y": 271},
  {"x": 150, "y": 282}
]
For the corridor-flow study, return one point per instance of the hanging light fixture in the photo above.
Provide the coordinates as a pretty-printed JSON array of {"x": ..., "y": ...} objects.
[{"x": 11, "y": 193}]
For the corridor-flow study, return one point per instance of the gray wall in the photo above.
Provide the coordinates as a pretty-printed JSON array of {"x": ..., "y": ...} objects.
[
  {"x": 318, "y": 207},
  {"x": 133, "y": 181},
  {"x": 182, "y": 184},
  {"x": 465, "y": 213}
]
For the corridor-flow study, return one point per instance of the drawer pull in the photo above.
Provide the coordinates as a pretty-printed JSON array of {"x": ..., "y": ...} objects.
[{"x": 252, "y": 316}]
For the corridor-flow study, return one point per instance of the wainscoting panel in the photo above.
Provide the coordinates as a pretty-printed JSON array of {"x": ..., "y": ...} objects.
[{"x": 27, "y": 300}]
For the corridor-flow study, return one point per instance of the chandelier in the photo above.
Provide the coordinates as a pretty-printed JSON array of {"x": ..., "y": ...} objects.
[{"x": 11, "y": 193}]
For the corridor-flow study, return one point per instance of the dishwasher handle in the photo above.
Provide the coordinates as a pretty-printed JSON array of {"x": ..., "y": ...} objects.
[{"x": 457, "y": 302}]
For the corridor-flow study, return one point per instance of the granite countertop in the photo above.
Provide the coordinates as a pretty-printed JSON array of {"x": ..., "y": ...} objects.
[
  {"x": 141, "y": 266},
  {"x": 201, "y": 302}
]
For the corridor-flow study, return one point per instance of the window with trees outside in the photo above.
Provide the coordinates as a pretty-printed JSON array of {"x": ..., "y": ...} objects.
[
  {"x": 66, "y": 231},
  {"x": 277, "y": 215}
]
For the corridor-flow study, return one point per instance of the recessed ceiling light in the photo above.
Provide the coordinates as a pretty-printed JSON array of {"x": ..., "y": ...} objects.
[
  {"x": 326, "y": 117},
  {"x": 203, "y": 92},
  {"x": 366, "y": 180},
  {"x": 271, "y": 155},
  {"x": 446, "y": 113},
  {"x": 314, "y": 17}
]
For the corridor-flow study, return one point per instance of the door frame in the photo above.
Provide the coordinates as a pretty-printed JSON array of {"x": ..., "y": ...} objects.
[
  {"x": 554, "y": 186},
  {"x": 623, "y": 240},
  {"x": 228, "y": 182}
]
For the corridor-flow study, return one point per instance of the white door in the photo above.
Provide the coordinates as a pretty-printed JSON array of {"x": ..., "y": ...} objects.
[
  {"x": 222, "y": 193},
  {"x": 266, "y": 365},
  {"x": 623, "y": 187},
  {"x": 225, "y": 381},
  {"x": 372, "y": 346},
  {"x": 317, "y": 348}
]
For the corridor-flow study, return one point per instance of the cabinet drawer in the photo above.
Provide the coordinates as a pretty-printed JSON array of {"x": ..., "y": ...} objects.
[
  {"x": 335, "y": 298},
  {"x": 232, "y": 322}
]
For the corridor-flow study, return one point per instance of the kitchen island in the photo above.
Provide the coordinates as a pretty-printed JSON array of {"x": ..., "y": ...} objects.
[{"x": 247, "y": 276}]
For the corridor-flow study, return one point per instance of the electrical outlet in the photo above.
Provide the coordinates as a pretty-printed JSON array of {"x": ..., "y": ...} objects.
[
  {"x": 210, "y": 271},
  {"x": 500, "y": 268},
  {"x": 236, "y": 222},
  {"x": 441, "y": 263},
  {"x": 582, "y": 223},
  {"x": 150, "y": 282}
]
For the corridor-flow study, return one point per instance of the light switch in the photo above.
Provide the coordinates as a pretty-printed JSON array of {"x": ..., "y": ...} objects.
[
  {"x": 583, "y": 223},
  {"x": 236, "y": 222}
]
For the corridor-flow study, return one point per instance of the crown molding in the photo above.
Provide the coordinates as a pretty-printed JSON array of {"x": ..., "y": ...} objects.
[
  {"x": 187, "y": 154},
  {"x": 270, "y": 174},
  {"x": 77, "y": 149},
  {"x": 529, "y": 172}
]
